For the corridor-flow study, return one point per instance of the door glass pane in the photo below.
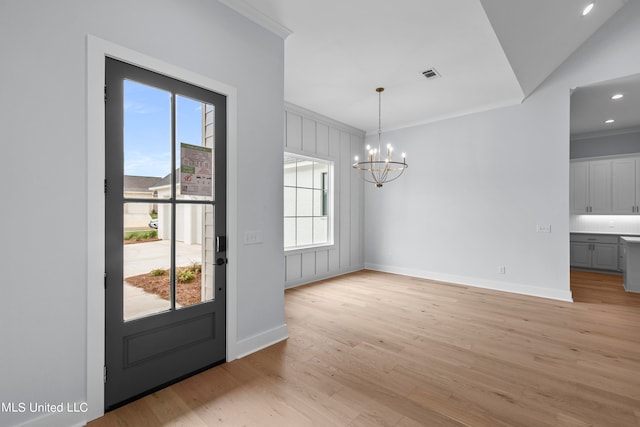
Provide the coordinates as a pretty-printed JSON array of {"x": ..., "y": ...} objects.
[
  {"x": 146, "y": 260},
  {"x": 195, "y": 131},
  {"x": 147, "y": 140},
  {"x": 194, "y": 243}
]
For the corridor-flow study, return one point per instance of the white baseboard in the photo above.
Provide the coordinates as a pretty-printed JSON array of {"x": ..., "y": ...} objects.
[
  {"x": 263, "y": 340},
  {"x": 58, "y": 419},
  {"x": 516, "y": 288}
]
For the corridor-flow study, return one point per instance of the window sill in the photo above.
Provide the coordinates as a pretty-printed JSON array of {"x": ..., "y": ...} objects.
[{"x": 313, "y": 248}]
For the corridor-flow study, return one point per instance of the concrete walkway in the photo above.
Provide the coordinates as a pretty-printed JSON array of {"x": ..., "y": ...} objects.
[{"x": 141, "y": 258}]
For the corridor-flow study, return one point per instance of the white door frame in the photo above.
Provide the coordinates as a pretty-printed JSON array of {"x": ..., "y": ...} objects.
[{"x": 97, "y": 50}]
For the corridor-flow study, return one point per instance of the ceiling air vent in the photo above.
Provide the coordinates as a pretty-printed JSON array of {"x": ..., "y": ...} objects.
[{"x": 431, "y": 73}]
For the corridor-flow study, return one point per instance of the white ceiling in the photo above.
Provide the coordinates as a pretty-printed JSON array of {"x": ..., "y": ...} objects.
[
  {"x": 592, "y": 105},
  {"x": 490, "y": 53}
]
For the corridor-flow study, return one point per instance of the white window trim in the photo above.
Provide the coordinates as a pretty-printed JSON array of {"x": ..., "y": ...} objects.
[{"x": 330, "y": 244}]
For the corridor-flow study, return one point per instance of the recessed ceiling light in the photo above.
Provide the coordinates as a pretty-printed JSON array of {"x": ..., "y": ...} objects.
[
  {"x": 617, "y": 96},
  {"x": 609, "y": 121},
  {"x": 587, "y": 9}
]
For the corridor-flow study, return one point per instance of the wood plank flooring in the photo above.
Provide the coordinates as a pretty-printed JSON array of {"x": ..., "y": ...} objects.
[
  {"x": 601, "y": 288},
  {"x": 375, "y": 349}
]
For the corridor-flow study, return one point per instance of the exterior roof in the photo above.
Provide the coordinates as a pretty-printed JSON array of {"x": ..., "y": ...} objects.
[
  {"x": 164, "y": 182},
  {"x": 139, "y": 183}
]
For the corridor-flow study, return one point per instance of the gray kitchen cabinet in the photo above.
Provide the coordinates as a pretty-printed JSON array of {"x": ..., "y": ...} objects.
[
  {"x": 592, "y": 251},
  {"x": 581, "y": 254},
  {"x": 591, "y": 187},
  {"x": 626, "y": 186},
  {"x": 632, "y": 268}
]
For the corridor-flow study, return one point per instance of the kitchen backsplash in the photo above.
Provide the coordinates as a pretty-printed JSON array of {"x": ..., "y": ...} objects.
[{"x": 618, "y": 224}]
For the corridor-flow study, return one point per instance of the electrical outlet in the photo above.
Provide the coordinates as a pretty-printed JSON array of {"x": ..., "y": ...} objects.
[{"x": 502, "y": 269}]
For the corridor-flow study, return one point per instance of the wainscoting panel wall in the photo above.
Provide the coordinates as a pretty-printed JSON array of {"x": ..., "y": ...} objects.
[{"x": 310, "y": 134}]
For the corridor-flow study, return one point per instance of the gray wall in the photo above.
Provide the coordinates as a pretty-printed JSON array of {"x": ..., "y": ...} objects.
[
  {"x": 478, "y": 185},
  {"x": 313, "y": 135},
  {"x": 43, "y": 319},
  {"x": 625, "y": 143}
]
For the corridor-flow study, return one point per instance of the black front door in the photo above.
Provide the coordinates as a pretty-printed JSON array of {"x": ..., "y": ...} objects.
[{"x": 165, "y": 189}]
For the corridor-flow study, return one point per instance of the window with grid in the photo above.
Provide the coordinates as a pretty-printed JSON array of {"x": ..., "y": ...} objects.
[{"x": 307, "y": 202}]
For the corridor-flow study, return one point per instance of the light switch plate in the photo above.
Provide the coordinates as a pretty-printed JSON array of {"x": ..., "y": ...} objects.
[
  {"x": 252, "y": 237},
  {"x": 543, "y": 228}
]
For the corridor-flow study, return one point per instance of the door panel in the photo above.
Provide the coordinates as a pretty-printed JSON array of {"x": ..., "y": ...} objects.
[
  {"x": 580, "y": 254},
  {"x": 579, "y": 187},
  {"x": 624, "y": 186},
  {"x": 165, "y": 192},
  {"x": 605, "y": 257},
  {"x": 600, "y": 186}
]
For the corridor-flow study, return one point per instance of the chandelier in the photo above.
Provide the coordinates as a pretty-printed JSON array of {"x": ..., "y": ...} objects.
[{"x": 379, "y": 167}]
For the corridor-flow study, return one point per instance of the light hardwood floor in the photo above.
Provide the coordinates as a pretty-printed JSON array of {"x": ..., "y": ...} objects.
[
  {"x": 601, "y": 288},
  {"x": 371, "y": 349}
]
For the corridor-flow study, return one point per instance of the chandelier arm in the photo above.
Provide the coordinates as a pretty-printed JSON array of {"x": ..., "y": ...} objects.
[
  {"x": 396, "y": 177},
  {"x": 373, "y": 175},
  {"x": 364, "y": 178},
  {"x": 385, "y": 173}
]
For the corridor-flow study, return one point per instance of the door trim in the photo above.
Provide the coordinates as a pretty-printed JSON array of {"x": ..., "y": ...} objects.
[{"x": 97, "y": 50}]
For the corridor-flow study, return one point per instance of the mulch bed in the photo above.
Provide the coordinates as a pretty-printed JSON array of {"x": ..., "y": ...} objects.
[
  {"x": 188, "y": 293},
  {"x": 131, "y": 241}
]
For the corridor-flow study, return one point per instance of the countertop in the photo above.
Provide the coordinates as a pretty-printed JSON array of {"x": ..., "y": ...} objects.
[
  {"x": 631, "y": 239},
  {"x": 606, "y": 233}
]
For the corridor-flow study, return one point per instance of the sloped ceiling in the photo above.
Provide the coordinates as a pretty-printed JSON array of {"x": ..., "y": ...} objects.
[{"x": 489, "y": 53}]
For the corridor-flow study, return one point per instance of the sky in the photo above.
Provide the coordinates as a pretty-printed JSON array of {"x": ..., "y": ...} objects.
[{"x": 147, "y": 128}]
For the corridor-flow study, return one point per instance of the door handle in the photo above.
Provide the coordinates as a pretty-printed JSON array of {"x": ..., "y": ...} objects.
[
  {"x": 221, "y": 261},
  {"x": 221, "y": 243}
]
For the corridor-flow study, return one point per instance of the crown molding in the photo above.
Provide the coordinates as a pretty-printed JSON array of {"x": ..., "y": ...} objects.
[
  {"x": 604, "y": 133},
  {"x": 253, "y": 14}
]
